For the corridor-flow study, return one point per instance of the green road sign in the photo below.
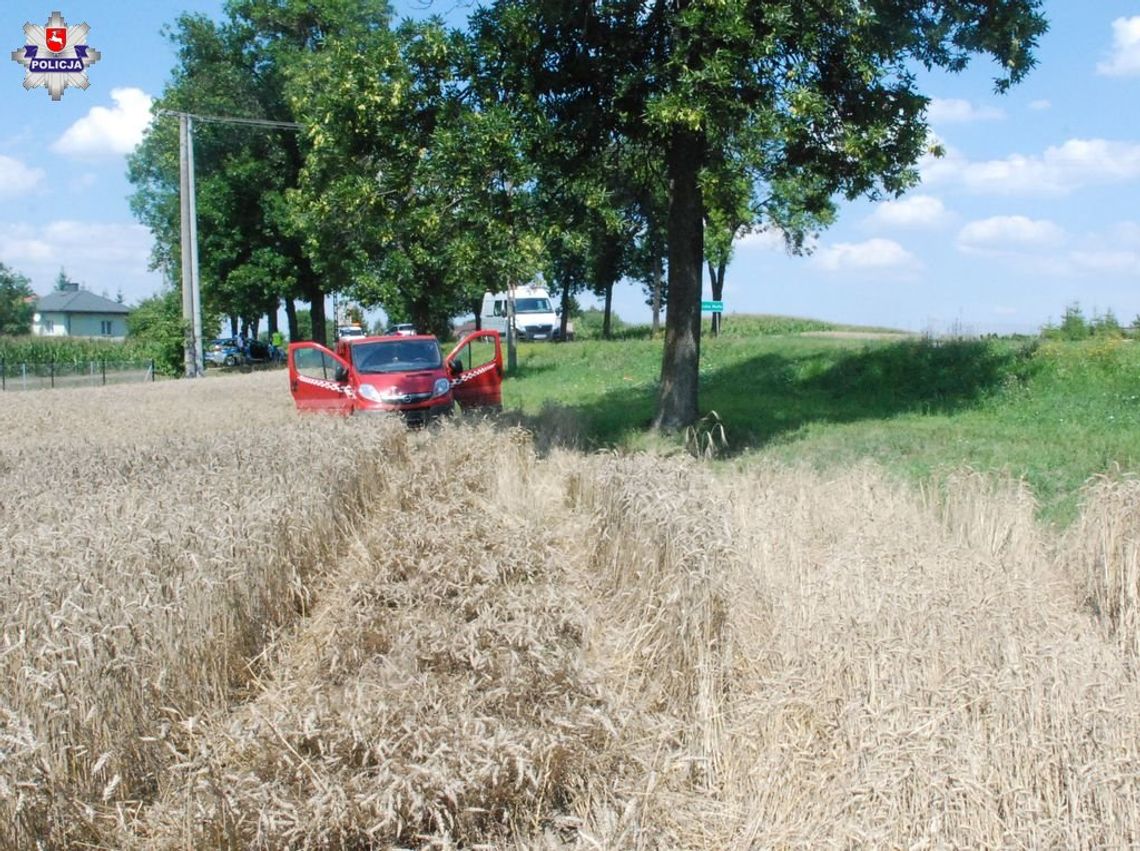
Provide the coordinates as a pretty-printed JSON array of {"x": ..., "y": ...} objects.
[{"x": 714, "y": 306}]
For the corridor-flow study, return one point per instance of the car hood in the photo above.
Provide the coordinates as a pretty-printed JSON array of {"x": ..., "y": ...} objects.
[{"x": 404, "y": 382}]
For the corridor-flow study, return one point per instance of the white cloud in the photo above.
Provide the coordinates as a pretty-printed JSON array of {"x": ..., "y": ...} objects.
[
  {"x": 912, "y": 211},
  {"x": 1009, "y": 233},
  {"x": 1040, "y": 105},
  {"x": 17, "y": 178},
  {"x": 883, "y": 255},
  {"x": 771, "y": 239},
  {"x": 1059, "y": 170},
  {"x": 102, "y": 257},
  {"x": 1125, "y": 58},
  {"x": 1043, "y": 249},
  {"x": 108, "y": 132},
  {"x": 1114, "y": 252},
  {"x": 958, "y": 111},
  {"x": 1107, "y": 262}
]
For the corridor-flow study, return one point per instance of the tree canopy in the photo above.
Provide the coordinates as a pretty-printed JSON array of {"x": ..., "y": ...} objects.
[
  {"x": 17, "y": 303},
  {"x": 798, "y": 102},
  {"x": 251, "y": 251},
  {"x": 415, "y": 183}
]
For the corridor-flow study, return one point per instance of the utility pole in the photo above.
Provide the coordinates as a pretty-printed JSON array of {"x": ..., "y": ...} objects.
[
  {"x": 191, "y": 284},
  {"x": 191, "y": 288}
]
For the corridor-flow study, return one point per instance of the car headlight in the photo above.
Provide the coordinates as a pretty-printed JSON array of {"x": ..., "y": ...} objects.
[
  {"x": 440, "y": 388},
  {"x": 371, "y": 393}
]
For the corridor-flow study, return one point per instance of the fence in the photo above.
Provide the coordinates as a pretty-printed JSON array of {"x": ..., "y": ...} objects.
[{"x": 25, "y": 375}]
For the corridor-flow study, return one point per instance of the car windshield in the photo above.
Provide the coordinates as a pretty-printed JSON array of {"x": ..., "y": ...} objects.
[
  {"x": 532, "y": 305},
  {"x": 396, "y": 355}
]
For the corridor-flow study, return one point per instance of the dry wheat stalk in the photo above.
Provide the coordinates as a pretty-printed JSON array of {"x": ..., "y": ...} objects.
[{"x": 311, "y": 633}]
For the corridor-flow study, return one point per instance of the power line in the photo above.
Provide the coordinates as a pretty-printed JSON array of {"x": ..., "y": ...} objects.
[{"x": 228, "y": 119}]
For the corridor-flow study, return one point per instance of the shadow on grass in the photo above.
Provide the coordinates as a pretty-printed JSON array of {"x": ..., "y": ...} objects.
[
  {"x": 768, "y": 396},
  {"x": 524, "y": 369}
]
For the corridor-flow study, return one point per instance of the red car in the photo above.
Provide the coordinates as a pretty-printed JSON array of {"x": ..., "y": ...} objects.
[{"x": 397, "y": 373}]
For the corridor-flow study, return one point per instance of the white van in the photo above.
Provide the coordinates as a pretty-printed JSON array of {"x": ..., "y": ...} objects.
[{"x": 535, "y": 315}]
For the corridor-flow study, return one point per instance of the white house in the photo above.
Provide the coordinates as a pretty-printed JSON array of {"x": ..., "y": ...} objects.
[{"x": 73, "y": 312}]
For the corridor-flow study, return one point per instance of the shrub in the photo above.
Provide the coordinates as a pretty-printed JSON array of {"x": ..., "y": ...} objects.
[
  {"x": 588, "y": 325},
  {"x": 1106, "y": 325},
  {"x": 1073, "y": 326}
]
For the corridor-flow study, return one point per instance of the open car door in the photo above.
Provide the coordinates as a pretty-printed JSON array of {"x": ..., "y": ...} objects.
[
  {"x": 476, "y": 367},
  {"x": 318, "y": 379}
]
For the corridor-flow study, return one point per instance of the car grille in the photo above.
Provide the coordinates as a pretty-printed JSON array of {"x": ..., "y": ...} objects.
[
  {"x": 412, "y": 398},
  {"x": 533, "y": 330}
]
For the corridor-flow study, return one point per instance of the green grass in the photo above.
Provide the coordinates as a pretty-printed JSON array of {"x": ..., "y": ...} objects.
[
  {"x": 588, "y": 326},
  {"x": 1053, "y": 413}
]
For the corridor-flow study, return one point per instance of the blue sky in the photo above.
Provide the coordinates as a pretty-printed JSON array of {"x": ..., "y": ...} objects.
[{"x": 1034, "y": 207}]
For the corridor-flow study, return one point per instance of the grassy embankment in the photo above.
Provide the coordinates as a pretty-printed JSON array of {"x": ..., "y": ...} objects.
[{"x": 1051, "y": 413}]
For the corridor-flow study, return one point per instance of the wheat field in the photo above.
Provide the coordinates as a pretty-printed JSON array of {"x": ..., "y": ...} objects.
[{"x": 229, "y": 626}]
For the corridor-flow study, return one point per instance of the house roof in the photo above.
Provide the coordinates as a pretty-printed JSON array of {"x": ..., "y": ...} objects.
[{"x": 79, "y": 301}]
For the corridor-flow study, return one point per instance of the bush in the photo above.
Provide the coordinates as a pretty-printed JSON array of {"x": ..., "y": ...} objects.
[
  {"x": 1106, "y": 326},
  {"x": 588, "y": 325},
  {"x": 155, "y": 326},
  {"x": 1073, "y": 326}
]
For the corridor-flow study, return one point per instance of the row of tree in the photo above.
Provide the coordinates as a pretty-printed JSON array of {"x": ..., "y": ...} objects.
[{"x": 586, "y": 140}]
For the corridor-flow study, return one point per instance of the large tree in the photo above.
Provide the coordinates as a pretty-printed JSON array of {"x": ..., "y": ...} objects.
[
  {"x": 237, "y": 169},
  {"x": 17, "y": 303},
  {"x": 590, "y": 219},
  {"x": 415, "y": 184},
  {"x": 818, "y": 94},
  {"x": 251, "y": 254}
]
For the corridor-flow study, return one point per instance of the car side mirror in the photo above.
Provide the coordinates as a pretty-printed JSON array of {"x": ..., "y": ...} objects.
[
  {"x": 341, "y": 375},
  {"x": 456, "y": 367}
]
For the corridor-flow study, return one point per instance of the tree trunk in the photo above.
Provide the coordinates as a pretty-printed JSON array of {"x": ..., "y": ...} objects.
[
  {"x": 477, "y": 307},
  {"x": 564, "y": 314},
  {"x": 716, "y": 278},
  {"x": 271, "y": 320},
  {"x": 609, "y": 306},
  {"x": 425, "y": 315},
  {"x": 658, "y": 274},
  {"x": 680, "y": 364},
  {"x": 291, "y": 320},
  {"x": 317, "y": 312}
]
